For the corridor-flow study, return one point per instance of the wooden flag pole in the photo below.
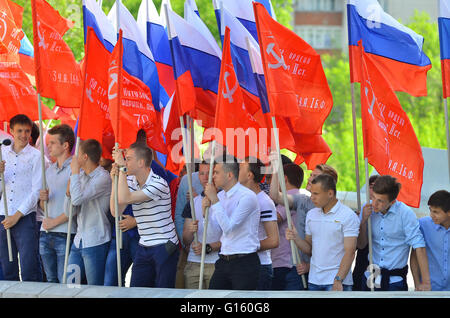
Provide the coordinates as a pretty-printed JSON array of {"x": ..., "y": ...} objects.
[
  {"x": 448, "y": 134},
  {"x": 281, "y": 180},
  {"x": 355, "y": 149},
  {"x": 184, "y": 137},
  {"x": 41, "y": 147},
  {"x": 205, "y": 222},
  {"x": 5, "y": 203},
  {"x": 69, "y": 222},
  {"x": 369, "y": 222},
  {"x": 116, "y": 220}
]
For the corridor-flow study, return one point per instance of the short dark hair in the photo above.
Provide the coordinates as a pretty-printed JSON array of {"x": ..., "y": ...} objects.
[
  {"x": 440, "y": 199},
  {"x": 92, "y": 149},
  {"x": 142, "y": 152},
  {"x": 256, "y": 168},
  {"x": 294, "y": 174},
  {"x": 34, "y": 134},
  {"x": 65, "y": 134},
  {"x": 20, "y": 119},
  {"x": 387, "y": 185},
  {"x": 285, "y": 159},
  {"x": 326, "y": 181},
  {"x": 229, "y": 164},
  {"x": 329, "y": 170},
  {"x": 373, "y": 178}
]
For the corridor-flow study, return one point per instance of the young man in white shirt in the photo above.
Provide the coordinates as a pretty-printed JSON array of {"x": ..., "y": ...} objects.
[
  {"x": 155, "y": 261},
  {"x": 22, "y": 170},
  {"x": 331, "y": 234},
  {"x": 236, "y": 210},
  {"x": 90, "y": 189},
  {"x": 192, "y": 268},
  {"x": 250, "y": 176}
]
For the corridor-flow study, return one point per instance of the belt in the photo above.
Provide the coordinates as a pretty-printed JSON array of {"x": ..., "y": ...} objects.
[{"x": 233, "y": 256}]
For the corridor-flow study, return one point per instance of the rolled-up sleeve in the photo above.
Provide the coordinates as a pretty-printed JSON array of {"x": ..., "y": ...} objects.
[{"x": 413, "y": 235}]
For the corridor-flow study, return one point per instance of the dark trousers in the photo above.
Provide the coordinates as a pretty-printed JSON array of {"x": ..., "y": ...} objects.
[
  {"x": 24, "y": 241},
  {"x": 285, "y": 278},
  {"x": 155, "y": 266},
  {"x": 361, "y": 263},
  {"x": 237, "y": 274}
]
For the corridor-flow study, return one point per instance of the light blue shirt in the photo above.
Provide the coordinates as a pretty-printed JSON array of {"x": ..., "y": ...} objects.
[
  {"x": 181, "y": 200},
  {"x": 437, "y": 239},
  {"x": 393, "y": 235}
]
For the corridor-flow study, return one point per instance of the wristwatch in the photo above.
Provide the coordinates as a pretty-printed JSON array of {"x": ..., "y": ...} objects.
[
  {"x": 208, "y": 248},
  {"x": 123, "y": 169},
  {"x": 338, "y": 278}
]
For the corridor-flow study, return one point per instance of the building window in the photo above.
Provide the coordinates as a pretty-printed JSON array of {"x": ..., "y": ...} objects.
[
  {"x": 320, "y": 5},
  {"x": 321, "y": 37}
]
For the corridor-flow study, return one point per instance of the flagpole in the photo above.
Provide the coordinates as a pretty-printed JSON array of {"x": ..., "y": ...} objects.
[
  {"x": 69, "y": 222},
  {"x": 448, "y": 134},
  {"x": 369, "y": 221},
  {"x": 285, "y": 199},
  {"x": 117, "y": 214},
  {"x": 5, "y": 203},
  {"x": 355, "y": 148},
  {"x": 41, "y": 147},
  {"x": 5, "y": 127},
  {"x": 205, "y": 222},
  {"x": 183, "y": 135}
]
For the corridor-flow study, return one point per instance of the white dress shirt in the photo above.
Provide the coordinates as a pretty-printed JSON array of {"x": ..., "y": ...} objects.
[
  {"x": 268, "y": 213},
  {"x": 23, "y": 178},
  {"x": 237, "y": 213},
  {"x": 328, "y": 231},
  {"x": 90, "y": 196}
]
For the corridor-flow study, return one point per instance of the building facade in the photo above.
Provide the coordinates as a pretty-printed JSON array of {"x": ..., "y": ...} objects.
[{"x": 323, "y": 23}]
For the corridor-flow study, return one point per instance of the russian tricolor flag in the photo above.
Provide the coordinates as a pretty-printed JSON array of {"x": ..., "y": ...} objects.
[
  {"x": 395, "y": 49},
  {"x": 195, "y": 52},
  {"x": 95, "y": 18},
  {"x": 444, "y": 38},
  {"x": 243, "y": 11},
  {"x": 154, "y": 30},
  {"x": 138, "y": 59}
]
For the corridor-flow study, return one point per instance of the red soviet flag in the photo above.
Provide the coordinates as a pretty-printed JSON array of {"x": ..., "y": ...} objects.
[
  {"x": 130, "y": 105},
  {"x": 390, "y": 143},
  {"x": 58, "y": 75},
  {"x": 295, "y": 80},
  {"x": 232, "y": 117},
  {"x": 94, "y": 115},
  {"x": 17, "y": 94},
  {"x": 10, "y": 31}
]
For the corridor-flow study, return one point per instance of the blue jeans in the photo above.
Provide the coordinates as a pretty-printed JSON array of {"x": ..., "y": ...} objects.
[
  {"x": 23, "y": 242},
  {"x": 1, "y": 272},
  {"x": 155, "y": 266},
  {"x": 314, "y": 287},
  {"x": 398, "y": 286},
  {"x": 90, "y": 261},
  {"x": 265, "y": 277},
  {"x": 129, "y": 247},
  {"x": 52, "y": 247}
]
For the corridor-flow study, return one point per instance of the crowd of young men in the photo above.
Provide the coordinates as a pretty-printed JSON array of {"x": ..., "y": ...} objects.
[{"x": 248, "y": 240}]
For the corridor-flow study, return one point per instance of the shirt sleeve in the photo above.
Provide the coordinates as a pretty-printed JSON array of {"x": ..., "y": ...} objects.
[
  {"x": 246, "y": 206},
  {"x": 29, "y": 204},
  {"x": 351, "y": 225},
  {"x": 179, "y": 206},
  {"x": 98, "y": 186},
  {"x": 157, "y": 189},
  {"x": 413, "y": 235}
]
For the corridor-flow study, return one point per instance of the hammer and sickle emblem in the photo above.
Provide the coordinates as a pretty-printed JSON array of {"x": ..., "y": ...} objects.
[
  {"x": 279, "y": 59},
  {"x": 366, "y": 90},
  {"x": 113, "y": 79},
  {"x": 229, "y": 93},
  {"x": 3, "y": 26},
  {"x": 41, "y": 37}
]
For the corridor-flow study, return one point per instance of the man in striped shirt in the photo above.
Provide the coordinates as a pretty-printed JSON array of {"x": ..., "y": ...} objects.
[{"x": 157, "y": 254}]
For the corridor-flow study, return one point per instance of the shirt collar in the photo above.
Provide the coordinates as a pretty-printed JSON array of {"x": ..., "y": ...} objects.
[
  {"x": 93, "y": 173},
  {"x": 65, "y": 164},
  {"x": 24, "y": 150},
  {"x": 334, "y": 209},
  {"x": 234, "y": 189}
]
